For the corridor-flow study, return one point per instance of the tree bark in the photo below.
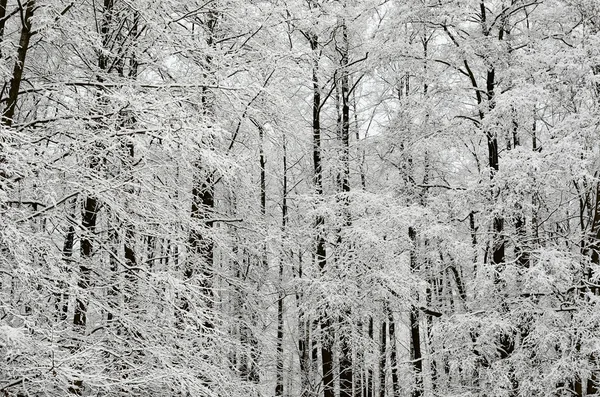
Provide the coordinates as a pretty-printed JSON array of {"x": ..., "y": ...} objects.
[
  {"x": 415, "y": 332},
  {"x": 19, "y": 67},
  {"x": 393, "y": 353},
  {"x": 382, "y": 358},
  {"x": 346, "y": 370},
  {"x": 281, "y": 294}
]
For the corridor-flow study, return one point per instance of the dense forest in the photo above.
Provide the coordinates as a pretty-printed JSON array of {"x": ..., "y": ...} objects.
[{"x": 300, "y": 198}]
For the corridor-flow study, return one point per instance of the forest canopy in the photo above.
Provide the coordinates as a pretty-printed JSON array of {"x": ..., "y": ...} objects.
[{"x": 300, "y": 198}]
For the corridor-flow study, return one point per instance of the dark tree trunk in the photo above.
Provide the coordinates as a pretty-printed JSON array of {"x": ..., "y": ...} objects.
[
  {"x": 320, "y": 254},
  {"x": 19, "y": 67},
  {"x": 201, "y": 245},
  {"x": 327, "y": 357},
  {"x": 2, "y": 21},
  {"x": 415, "y": 331},
  {"x": 281, "y": 295},
  {"x": 382, "y": 358},
  {"x": 346, "y": 370},
  {"x": 62, "y": 298},
  {"x": 393, "y": 353},
  {"x": 89, "y": 217}
]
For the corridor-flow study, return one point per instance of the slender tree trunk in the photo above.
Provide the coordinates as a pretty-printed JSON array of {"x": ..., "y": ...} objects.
[
  {"x": 19, "y": 67},
  {"x": 346, "y": 372},
  {"x": 393, "y": 353},
  {"x": 415, "y": 331},
  {"x": 320, "y": 254},
  {"x": 382, "y": 358},
  {"x": 3, "y": 4},
  {"x": 281, "y": 295},
  {"x": 62, "y": 298},
  {"x": 201, "y": 245},
  {"x": 89, "y": 218}
]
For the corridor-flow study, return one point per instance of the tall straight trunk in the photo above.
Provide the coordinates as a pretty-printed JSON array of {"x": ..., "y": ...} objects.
[
  {"x": 382, "y": 358},
  {"x": 415, "y": 331},
  {"x": 594, "y": 380},
  {"x": 62, "y": 297},
  {"x": 2, "y": 22},
  {"x": 369, "y": 386},
  {"x": 346, "y": 369},
  {"x": 89, "y": 218},
  {"x": 19, "y": 67},
  {"x": 200, "y": 243},
  {"x": 320, "y": 254},
  {"x": 281, "y": 295},
  {"x": 88, "y": 221},
  {"x": 250, "y": 370},
  {"x": 393, "y": 353},
  {"x": 303, "y": 339},
  {"x": 91, "y": 203}
]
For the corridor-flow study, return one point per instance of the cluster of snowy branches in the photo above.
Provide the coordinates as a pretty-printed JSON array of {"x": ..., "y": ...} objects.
[{"x": 316, "y": 198}]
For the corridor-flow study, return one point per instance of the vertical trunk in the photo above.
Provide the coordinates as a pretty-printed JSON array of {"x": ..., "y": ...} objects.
[
  {"x": 248, "y": 339},
  {"x": 280, "y": 295},
  {"x": 201, "y": 245},
  {"x": 128, "y": 120},
  {"x": 498, "y": 242},
  {"x": 114, "y": 285},
  {"x": 359, "y": 366},
  {"x": 345, "y": 127},
  {"x": 2, "y": 21},
  {"x": 263, "y": 176},
  {"x": 415, "y": 332},
  {"x": 433, "y": 364},
  {"x": 88, "y": 222},
  {"x": 91, "y": 204},
  {"x": 592, "y": 382},
  {"x": 346, "y": 370},
  {"x": 361, "y": 152},
  {"x": 327, "y": 357},
  {"x": 382, "y": 358},
  {"x": 393, "y": 353},
  {"x": 303, "y": 339},
  {"x": 17, "y": 75},
  {"x": 521, "y": 252},
  {"x": 320, "y": 254},
  {"x": 369, "y": 383},
  {"x": 346, "y": 373},
  {"x": 89, "y": 217},
  {"x": 62, "y": 298}
]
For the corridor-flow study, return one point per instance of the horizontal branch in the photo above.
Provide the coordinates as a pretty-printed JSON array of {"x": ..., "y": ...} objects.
[
  {"x": 211, "y": 221},
  {"x": 430, "y": 312},
  {"x": 429, "y": 186},
  {"x": 97, "y": 84},
  {"x": 48, "y": 208}
]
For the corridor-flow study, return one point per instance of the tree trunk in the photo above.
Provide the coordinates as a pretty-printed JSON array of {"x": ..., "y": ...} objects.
[
  {"x": 2, "y": 22},
  {"x": 17, "y": 75},
  {"x": 415, "y": 331},
  {"x": 393, "y": 353},
  {"x": 201, "y": 245},
  {"x": 281, "y": 295},
  {"x": 346, "y": 372},
  {"x": 382, "y": 358},
  {"x": 320, "y": 254}
]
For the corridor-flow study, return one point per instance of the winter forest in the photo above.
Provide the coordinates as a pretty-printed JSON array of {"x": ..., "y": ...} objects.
[{"x": 300, "y": 198}]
